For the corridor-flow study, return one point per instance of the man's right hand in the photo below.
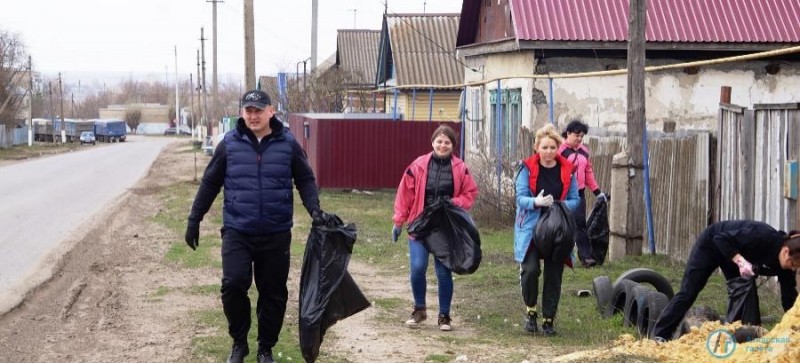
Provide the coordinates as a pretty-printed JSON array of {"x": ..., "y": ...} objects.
[
  {"x": 192, "y": 235},
  {"x": 745, "y": 267}
]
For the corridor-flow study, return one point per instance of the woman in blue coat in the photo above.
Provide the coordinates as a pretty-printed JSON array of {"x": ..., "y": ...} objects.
[{"x": 542, "y": 179}]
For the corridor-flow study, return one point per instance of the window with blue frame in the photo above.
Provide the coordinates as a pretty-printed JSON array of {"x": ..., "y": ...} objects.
[{"x": 505, "y": 125}]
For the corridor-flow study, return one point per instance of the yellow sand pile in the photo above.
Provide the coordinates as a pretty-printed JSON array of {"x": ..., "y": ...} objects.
[{"x": 781, "y": 345}]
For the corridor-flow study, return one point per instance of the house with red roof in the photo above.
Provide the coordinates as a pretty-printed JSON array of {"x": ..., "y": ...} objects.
[{"x": 504, "y": 41}]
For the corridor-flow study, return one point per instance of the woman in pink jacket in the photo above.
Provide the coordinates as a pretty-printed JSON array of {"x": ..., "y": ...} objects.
[
  {"x": 438, "y": 174},
  {"x": 577, "y": 153}
]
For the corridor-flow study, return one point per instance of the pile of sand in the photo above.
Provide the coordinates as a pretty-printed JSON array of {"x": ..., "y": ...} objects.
[{"x": 782, "y": 344}]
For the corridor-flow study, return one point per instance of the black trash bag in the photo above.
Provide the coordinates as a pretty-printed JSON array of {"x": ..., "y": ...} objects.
[
  {"x": 554, "y": 232},
  {"x": 327, "y": 291},
  {"x": 743, "y": 301},
  {"x": 448, "y": 232},
  {"x": 598, "y": 231}
]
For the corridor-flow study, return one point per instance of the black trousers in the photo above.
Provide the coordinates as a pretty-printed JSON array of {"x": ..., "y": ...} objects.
[
  {"x": 265, "y": 258},
  {"x": 529, "y": 271},
  {"x": 703, "y": 260},
  {"x": 581, "y": 235}
]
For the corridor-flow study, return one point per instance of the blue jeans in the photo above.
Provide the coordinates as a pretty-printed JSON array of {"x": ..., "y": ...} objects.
[{"x": 418, "y": 260}]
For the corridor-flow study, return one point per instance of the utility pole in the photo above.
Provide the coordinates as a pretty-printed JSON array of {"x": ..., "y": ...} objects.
[
  {"x": 30, "y": 101},
  {"x": 61, "y": 97},
  {"x": 199, "y": 101},
  {"x": 636, "y": 126},
  {"x": 354, "y": 17},
  {"x": 194, "y": 149},
  {"x": 249, "y": 46},
  {"x": 177, "y": 101},
  {"x": 205, "y": 94},
  {"x": 191, "y": 98},
  {"x": 51, "y": 109},
  {"x": 214, "y": 98},
  {"x": 314, "y": 12}
]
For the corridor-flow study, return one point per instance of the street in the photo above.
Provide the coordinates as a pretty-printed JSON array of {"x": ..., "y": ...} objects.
[{"x": 45, "y": 201}]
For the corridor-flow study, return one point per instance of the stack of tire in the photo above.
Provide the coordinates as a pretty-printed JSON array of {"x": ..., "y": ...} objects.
[{"x": 639, "y": 294}]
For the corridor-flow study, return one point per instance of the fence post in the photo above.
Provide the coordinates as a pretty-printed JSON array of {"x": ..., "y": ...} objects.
[{"x": 620, "y": 243}]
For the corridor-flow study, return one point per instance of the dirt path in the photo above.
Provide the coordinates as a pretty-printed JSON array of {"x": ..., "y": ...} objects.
[{"x": 104, "y": 305}]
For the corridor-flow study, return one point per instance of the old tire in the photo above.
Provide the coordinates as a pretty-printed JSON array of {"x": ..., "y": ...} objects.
[
  {"x": 602, "y": 289},
  {"x": 637, "y": 297},
  {"x": 646, "y": 275},
  {"x": 619, "y": 296},
  {"x": 649, "y": 312}
]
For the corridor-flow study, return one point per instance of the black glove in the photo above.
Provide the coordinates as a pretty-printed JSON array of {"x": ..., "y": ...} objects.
[
  {"x": 192, "y": 235},
  {"x": 319, "y": 218}
]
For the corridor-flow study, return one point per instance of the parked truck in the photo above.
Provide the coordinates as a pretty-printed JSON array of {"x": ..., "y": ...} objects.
[
  {"x": 110, "y": 130},
  {"x": 43, "y": 129}
]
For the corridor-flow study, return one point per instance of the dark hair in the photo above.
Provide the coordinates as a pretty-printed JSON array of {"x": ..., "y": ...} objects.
[
  {"x": 575, "y": 127},
  {"x": 792, "y": 241},
  {"x": 446, "y": 131}
]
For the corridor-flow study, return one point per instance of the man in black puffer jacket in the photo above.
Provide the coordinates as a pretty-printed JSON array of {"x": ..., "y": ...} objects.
[{"x": 256, "y": 163}]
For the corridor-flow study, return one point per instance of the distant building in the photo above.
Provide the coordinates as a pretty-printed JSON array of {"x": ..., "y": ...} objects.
[{"x": 155, "y": 117}]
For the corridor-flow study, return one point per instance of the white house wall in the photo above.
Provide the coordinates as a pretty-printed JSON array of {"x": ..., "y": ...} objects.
[
  {"x": 690, "y": 100},
  {"x": 496, "y": 66}
]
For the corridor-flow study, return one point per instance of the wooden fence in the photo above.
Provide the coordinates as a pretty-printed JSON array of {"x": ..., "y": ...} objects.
[
  {"x": 755, "y": 145},
  {"x": 680, "y": 185}
]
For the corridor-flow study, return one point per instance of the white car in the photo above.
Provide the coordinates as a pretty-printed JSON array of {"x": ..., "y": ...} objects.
[{"x": 87, "y": 137}]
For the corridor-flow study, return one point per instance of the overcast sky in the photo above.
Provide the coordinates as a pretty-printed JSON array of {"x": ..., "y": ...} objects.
[{"x": 135, "y": 37}]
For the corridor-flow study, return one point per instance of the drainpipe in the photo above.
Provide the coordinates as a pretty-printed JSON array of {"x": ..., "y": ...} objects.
[
  {"x": 498, "y": 98},
  {"x": 394, "y": 108},
  {"x": 550, "y": 100},
  {"x": 430, "y": 105},
  {"x": 414, "y": 104},
  {"x": 647, "y": 198},
  {"x": 463, "y": 121}
]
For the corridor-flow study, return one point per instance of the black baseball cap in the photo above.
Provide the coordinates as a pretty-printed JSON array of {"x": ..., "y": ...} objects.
[{"x": 256, "y": 98}]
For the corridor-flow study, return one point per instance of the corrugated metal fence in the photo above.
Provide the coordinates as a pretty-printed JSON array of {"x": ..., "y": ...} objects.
[
  {"x": 753, "y": 149},
  {"x": 680, "y": 184},
  {"x": 15, "y": 136},
  {"x": 362, "y": 153}
]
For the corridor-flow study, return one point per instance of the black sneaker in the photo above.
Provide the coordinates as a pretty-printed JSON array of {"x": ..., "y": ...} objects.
[
  {"x": 417, "y": 316},
  {"x": 530, "y": 323},
  {"x": 444, "y": 323},
  {"x": 547, "y": 327},
  {"x": 238, "y": 352},
  {"x": 265, "y": 356}
]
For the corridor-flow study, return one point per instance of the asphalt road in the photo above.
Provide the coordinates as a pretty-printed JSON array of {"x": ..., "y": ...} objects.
[{"x": 45, "y": 202}]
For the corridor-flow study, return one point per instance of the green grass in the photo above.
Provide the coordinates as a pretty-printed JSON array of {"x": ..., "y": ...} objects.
[
  {"x": 20, "y": 152},
  {"x": 488, "y": 300}
]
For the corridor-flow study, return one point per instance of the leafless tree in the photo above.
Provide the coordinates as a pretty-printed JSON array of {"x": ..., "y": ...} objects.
[
  {"x": 133, "y": 116},
  {"x": 13, "y": 64}
]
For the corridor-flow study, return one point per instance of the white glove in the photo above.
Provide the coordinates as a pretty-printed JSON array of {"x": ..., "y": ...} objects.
[
  {"x": 543, "y": 201},
  {"x": 745, "y": 267}
]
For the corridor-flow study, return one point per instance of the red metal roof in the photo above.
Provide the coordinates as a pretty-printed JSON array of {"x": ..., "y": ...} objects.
[{"x": 769, "y": 21}]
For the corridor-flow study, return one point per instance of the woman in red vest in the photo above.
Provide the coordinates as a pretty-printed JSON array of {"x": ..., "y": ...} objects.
[{"x": 542, "y": 179}]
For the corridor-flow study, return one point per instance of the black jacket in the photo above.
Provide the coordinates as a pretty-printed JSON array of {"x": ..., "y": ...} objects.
[{"x": 759, "y": 244}]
